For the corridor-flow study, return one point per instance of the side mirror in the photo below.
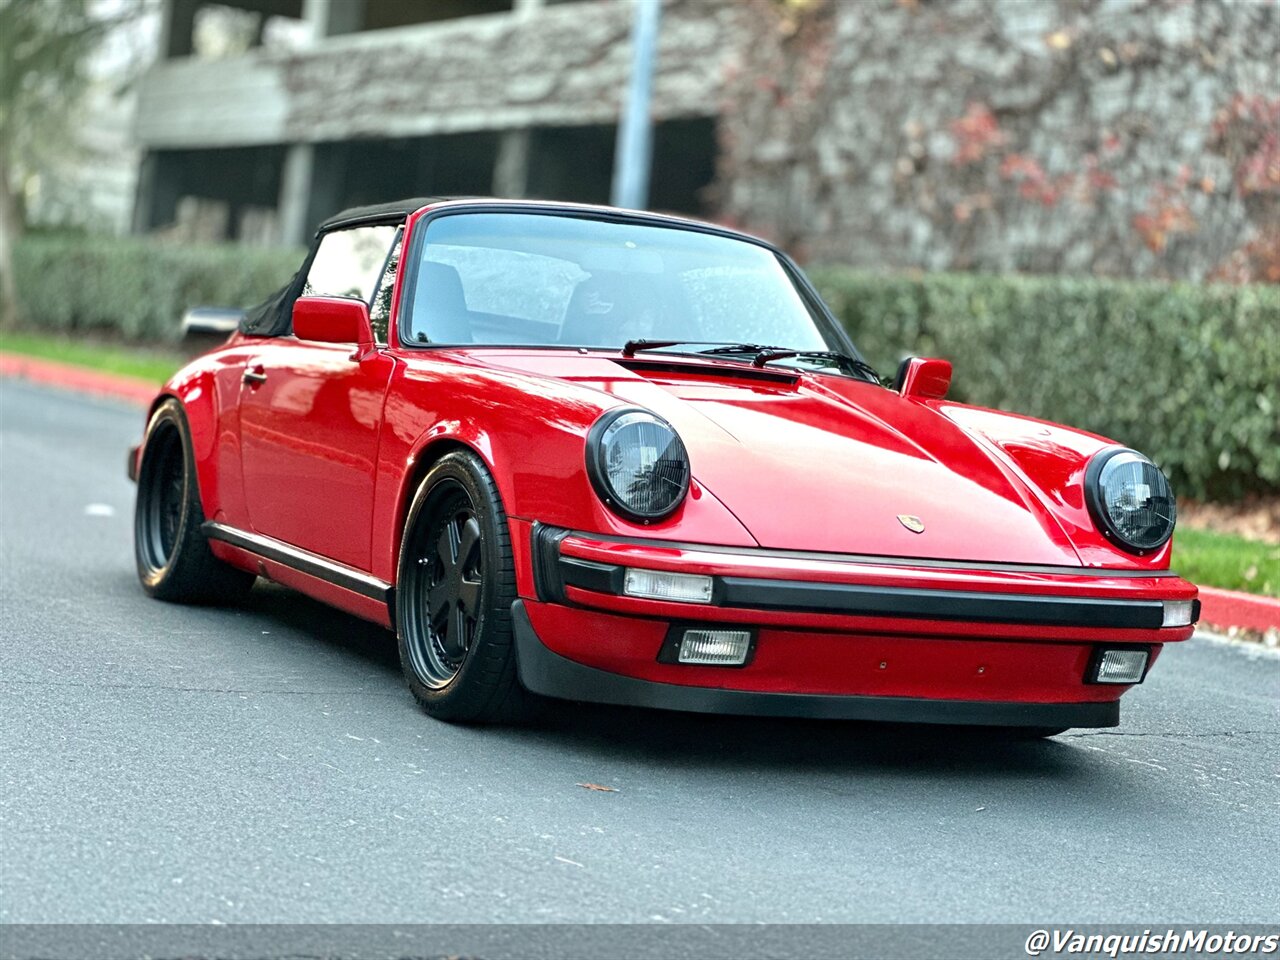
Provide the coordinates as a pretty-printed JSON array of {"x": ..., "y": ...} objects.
[
  {"x": 924, "y": 378},
  {"x": 334, "y": 320},
  {"x": 211, "y": 322}
]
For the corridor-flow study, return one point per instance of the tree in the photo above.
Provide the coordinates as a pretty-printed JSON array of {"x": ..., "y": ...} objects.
[{"x": 44, "y": 46}]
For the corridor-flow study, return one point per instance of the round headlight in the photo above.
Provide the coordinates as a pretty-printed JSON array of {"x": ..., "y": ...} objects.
[
  {"x": 637, "y": 464},
  {"x": 1130, "y": 499}
]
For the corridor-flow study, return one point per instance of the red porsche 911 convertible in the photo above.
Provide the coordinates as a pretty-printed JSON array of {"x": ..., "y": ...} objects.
[{"x": 609, "y": 456}]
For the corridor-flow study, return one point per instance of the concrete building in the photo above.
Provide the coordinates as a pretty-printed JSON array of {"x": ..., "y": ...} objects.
[
  {"x": 338, "y": 102},
  {"x": 1118, "y": 137}
]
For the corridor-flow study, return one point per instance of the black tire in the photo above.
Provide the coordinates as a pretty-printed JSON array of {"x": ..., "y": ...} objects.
[
  {"x": 455, "y": 586},
  {"x": 173, "y": 557}
]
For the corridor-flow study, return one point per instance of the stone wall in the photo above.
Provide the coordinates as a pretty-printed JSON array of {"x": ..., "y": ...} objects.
[
  {"x": 1123, "y": 137},
  {"x": 1118, "y": 137},
  {"x": 563, "y": 65}
]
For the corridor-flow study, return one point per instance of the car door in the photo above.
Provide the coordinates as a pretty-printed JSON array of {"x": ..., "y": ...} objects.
[{"x": 310, "y": 414}]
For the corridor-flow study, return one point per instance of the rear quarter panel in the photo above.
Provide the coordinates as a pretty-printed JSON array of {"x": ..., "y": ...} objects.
[{"x": 209, "y": 391}]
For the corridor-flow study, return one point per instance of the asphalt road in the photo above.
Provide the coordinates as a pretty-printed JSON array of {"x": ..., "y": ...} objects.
[{"x": 265, "y": 764}]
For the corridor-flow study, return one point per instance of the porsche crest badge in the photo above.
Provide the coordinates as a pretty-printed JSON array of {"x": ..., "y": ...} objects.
[{"x": 914, "y": 524}]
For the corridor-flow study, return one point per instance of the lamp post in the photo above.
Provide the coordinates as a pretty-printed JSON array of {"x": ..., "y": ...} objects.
[{"x": 634, "y": 153}]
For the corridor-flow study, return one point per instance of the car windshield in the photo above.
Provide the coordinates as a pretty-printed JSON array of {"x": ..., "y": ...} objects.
[{"x": 554, "y": 280}]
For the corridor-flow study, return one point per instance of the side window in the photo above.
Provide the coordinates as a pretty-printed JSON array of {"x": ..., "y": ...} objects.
[
  {"x": 349, "y": 263},
  {"x": 380, "y": 309}
]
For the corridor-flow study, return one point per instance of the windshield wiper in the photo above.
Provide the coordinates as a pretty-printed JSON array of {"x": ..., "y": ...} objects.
[
  {"x": 846, "y": 363},
  {"x": 761, "y": 354},
  {"x": 730, "y": 349},
  {"x": 764, "y": 353},
  {"x": 630, "y": 348}
]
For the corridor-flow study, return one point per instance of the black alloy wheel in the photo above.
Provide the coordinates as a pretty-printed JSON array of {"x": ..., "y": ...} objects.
[
  {"x": 454, "y": 591},
  {"x": 447, "y": 585}
]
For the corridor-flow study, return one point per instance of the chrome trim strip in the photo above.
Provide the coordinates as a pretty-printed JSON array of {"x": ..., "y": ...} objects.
[
  {"x": 802, "y": 596},
  {"x": 304, "y": 561},
  {"x": 865, "y": 559}
]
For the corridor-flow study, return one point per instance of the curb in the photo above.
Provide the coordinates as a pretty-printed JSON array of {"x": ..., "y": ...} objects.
[
  {"x": 70, "y": 377},
  {"x": 1230, "y": 608}
]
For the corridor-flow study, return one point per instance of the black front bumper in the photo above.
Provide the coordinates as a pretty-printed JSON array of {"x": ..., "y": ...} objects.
[{"x": 545, "y": 672}]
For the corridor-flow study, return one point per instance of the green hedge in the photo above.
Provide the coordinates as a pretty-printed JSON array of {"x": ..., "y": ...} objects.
[
  {"x": 136, "y": 288},
  {"x": 1190, "y": 375}
]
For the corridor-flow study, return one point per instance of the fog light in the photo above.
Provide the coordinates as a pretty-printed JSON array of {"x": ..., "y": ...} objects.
[
  {"x": 1177, "y": 613},
  {"x": 658, "y": 585},
  {"x": 1120, "y": 666},
  {"x": 721, "y": 648}
]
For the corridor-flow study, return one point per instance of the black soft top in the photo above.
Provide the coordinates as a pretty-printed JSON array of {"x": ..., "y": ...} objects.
[
  {"x": 274, "y": 316},
  {"x": 386, "y": 212}
]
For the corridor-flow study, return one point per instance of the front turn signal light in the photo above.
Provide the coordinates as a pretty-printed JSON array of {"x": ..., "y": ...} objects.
[
  {"x": 1177, "y": 613},
  {"x": 660, "y": 585}
]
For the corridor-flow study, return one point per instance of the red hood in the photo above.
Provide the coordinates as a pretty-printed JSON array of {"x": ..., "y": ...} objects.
[{"x": 829, "y": 464}]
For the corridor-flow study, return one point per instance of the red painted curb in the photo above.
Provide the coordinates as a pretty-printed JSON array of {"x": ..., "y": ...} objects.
[
  {"x": 1229, "y": 608},
  {"x": 70, "y": 377}
]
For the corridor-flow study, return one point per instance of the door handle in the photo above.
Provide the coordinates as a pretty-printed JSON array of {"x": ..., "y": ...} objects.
[{"x": 254, "y": 375}]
